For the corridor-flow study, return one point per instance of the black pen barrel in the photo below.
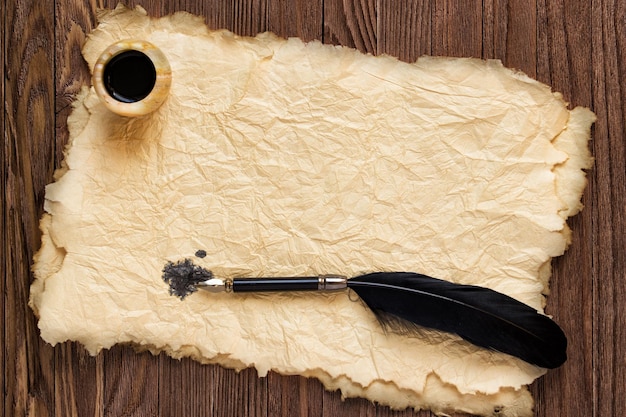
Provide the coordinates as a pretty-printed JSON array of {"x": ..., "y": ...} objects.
[
  {"x": 328, "y": 282},
  {"x": 276, "y": 284}
]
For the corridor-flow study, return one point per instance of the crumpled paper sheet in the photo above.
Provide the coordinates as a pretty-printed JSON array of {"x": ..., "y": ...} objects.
[{"x": 283, "y": 158}]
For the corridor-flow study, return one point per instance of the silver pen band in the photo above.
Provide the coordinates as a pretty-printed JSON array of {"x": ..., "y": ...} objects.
[{"x": 332, "y": 282}]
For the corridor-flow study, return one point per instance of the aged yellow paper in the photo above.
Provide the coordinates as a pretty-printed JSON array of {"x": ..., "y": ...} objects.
[{"x": 283, "y": 158}]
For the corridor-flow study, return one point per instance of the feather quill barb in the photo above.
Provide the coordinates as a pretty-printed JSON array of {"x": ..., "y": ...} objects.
[{"x": 479, "y": 315}]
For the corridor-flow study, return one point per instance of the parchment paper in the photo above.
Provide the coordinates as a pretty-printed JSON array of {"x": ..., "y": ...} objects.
[{"x": 283, "y": 158}]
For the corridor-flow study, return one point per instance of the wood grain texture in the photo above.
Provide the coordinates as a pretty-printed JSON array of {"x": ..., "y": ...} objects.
[
  {"x": 28, "y": 153},
  {"x": 3, "y": 191},
  {"x": 563, "y": 61},
  {"x": 510, "y": 33},
  {"x": 607, "y": 196},
  {"x": 577, "y": 46},
  {"x": 404, "y": 29}
]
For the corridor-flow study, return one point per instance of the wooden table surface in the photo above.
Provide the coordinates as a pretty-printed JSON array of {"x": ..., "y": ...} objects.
[{"x": 578, "y": 47}]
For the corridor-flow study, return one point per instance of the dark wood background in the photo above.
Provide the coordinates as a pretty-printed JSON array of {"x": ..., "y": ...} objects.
[{"x": 578, "y": 47}]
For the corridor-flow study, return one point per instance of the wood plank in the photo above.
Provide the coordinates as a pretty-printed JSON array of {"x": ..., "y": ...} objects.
[
  {"x": 351, "y": 23},
  {"x": 456, "y": 28},
  {"x": 302, "y": 19},
  {"x": 241, "y": 393},
  {"x": 187, "y": 388},
  {"x": 250, "y": 17},
  {"x": 79, "y": 378},
  {"x": 131, "y": 383},
  {"x": 510, "y": 33},
  {"x": 294, "y": 396},
  {"x": 28, "y": 162},
  {"x": 78, "y": 384},
  {"x": 217, "y": 14},
  {"x": 357, "y": 407},
  {"x": 608, "y": 199},
  {"x": 564, "y": 52},
  {"x": 73, "y": 20},
  {"x": 404, "y": 29},
  {"x": 4, "y": 209}
]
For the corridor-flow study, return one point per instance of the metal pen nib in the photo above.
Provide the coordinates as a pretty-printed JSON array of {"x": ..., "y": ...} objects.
[{"x": 216, "y": 285}]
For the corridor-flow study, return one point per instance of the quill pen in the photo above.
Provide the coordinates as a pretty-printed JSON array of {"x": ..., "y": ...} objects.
[{"x": 402, "y": 300}]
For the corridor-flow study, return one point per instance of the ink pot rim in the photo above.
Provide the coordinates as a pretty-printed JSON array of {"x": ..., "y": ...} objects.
[{"x": 162, "y": 78}]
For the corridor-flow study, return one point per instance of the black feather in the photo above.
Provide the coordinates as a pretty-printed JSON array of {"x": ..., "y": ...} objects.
[{"x": 479, "y": 315}]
